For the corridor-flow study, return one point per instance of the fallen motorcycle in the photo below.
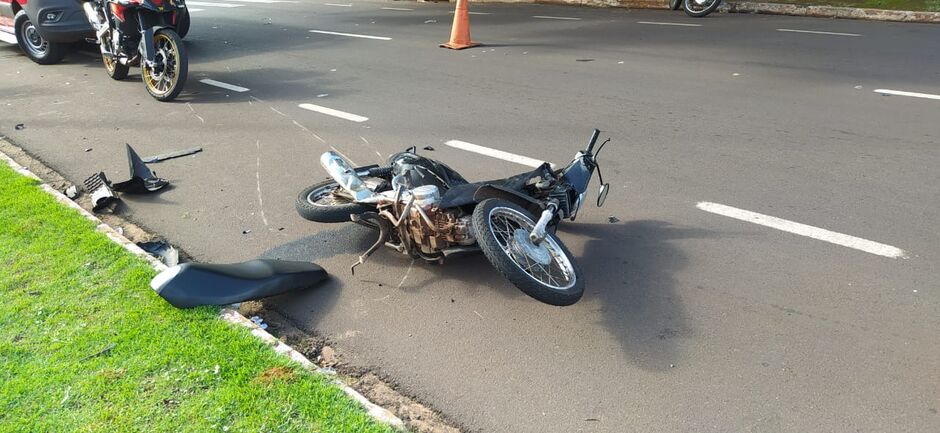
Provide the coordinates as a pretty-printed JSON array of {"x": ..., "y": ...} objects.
[
  {"x": 425, "y": 209},
  {"x": 144, "y": 33}
]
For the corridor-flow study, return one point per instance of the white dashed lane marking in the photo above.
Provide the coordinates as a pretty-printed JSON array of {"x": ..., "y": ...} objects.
[
  {"x": 228, "y": 86},
  {"x": 658, "y": 23},
  {"x": 335, "y": 113},
  {"x": 804, "y": 230},
  {"x": 903, "y": 93},
  {"x": 545, "y": 17},
  {"x": 814, "y": 32},
  {"x": 351, "y": 35},
  {"x": 214, "y": 5},
  {"x": 494, "y": 153}
]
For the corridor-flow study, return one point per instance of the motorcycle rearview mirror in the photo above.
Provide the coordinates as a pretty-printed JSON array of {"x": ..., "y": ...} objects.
[{"x": 602, "y": 194}]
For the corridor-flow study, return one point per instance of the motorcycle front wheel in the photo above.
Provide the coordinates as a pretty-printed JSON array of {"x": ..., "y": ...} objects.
[
  {"x": 325, "y": 203},
  {"x": 166, "y": 78},
  {"x": 546, "y": 272},
  {"x": 700, "y": 8}
]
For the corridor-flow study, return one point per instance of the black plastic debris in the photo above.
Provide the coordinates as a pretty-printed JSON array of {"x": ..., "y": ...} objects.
[
  {"x": 143, "y": 180},
  {"x": 161, "y": 250},
  {"x": 429, "y": 148},
  {"x": 194, "y": 284},
  {"x": 98, "y": 186},
  {"x": 19, "y": 126},
  {"x": 171, "y": 155},
  {"x": 612, "y": 219}
]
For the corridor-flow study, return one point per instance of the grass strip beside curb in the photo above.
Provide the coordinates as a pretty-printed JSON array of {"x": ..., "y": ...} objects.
[{"x": 85, "y": 345}]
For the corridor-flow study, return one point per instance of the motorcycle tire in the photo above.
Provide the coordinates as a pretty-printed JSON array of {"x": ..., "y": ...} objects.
[
  {"x": 182, "y": 24},
  {"x": 693, "y": 9},
  {"x": 37, "y": 48},
  {"x": 115, "y": 70},
  {"x": 675, "y": 4},
  {"x": 315, "y": 203},
  {"x": 166, "y": 84},
  {"x": 505, "y": 247}
]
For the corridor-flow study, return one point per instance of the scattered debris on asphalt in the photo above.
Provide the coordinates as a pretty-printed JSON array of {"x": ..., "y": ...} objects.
[
  {"x": 19, "y": 126},
  {"x": 142, "y": 179},
  {"x": 171, "y": 155},
  {"x": 431, "y": 148},
  {"x": 430, "y": 21},
  {"x": 323, "y": 95},
  {"x": 612, "y": 219},
  {"x": 98, "y": 186},
  {"x": 88, "y": 149},
  {"x": 584, "y": 60},
  {"x": 327, "y": 357},
  {"x": 161, "y": 250},
  {"x": 71, "y": 192},
  {"x": 245, "y": 232}
]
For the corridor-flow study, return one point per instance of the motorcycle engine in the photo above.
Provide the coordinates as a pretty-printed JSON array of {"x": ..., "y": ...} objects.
[{"x": 434, "y": 229}]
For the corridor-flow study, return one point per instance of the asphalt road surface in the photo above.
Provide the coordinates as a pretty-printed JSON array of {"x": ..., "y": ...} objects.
[{"x": 699, "y": 316}]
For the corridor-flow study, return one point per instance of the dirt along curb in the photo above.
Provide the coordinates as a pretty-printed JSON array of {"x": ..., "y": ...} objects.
[
  {"x": 759, "y": 8},
  {"x": 228, "y": 313}
]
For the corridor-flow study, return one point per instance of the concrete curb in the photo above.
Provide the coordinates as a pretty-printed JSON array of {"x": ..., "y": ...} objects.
[
  {"x": 759, "y": 8},
  {"x": 228, "y": 314}
]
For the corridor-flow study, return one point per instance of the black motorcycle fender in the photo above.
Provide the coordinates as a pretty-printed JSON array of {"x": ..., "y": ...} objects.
[{"x": 494, "y": 191}]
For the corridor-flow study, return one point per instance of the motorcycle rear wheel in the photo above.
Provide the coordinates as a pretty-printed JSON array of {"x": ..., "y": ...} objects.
[
  {"x": 319, "y": 203},
  {"x": 698, "y": 10},
  {"x": 546, "y": 272},
  {"x": 165, "y": 80},
  {"x": 116, "y": 70}
]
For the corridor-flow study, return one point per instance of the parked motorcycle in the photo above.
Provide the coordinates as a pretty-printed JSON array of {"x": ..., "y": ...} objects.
[
  {"x": 144, "y": 33},
  {"x": 695, "y": 8},
  {"x": 426, "y": 210}
]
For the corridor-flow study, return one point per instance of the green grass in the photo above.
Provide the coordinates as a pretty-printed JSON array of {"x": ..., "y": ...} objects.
[
  {"x": 899, "y": 5},
  {"x": 67, "y": 293}
]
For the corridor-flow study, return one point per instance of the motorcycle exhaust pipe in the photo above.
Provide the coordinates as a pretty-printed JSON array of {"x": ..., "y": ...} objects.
[{"x": 345, "y": 176}]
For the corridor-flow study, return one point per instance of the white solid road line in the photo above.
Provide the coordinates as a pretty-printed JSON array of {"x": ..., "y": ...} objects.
[
  {"x": 494, "y": 153},
  {"x": 228, "y": 86},
  {"x": 195, "y": 10},
  {"x": 352, "y": 35},
  {"x": 338, "y": 5},
  {"x": 215, "y": 5},
  {"x": 545, "y": 17},
  {"x": 398, "y": 9},
  {"x": 472, "y": 13},
  {"x": 334, "y": 113},
  {"x": 658, "y": 23},
  {"x": 818, "y": 33},
  {"x": 903, "y": 93},
  {"x": 804, "y": 230}
]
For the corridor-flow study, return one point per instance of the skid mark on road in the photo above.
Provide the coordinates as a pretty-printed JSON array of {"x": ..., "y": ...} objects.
[
  {"x": 903, "y": 93},
  {"x": 369, "y": 145},
  {"x": 804, "y": 230},
  {"x": 194, "y": 113},
  {"x": 494, "y": 153},
  {"x": 258, "y": 179}
]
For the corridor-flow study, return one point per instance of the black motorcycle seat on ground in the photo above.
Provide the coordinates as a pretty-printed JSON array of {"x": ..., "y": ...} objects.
[{"x": 194, "y": 284}]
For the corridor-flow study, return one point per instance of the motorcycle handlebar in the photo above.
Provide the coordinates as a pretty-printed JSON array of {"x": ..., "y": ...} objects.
[{"x": 596, "y": 133}]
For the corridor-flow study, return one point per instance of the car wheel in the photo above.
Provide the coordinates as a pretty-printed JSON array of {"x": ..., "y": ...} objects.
[{"x": 37, "y": 48}]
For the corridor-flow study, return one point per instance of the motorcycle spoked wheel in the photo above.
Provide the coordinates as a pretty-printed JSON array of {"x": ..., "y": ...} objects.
[
  {"x": 545, "y": 272},
  {"x": 321, "y": 204},
  {"x": 116, "y": 70},
  {"x": 165, "y": 80},
  {"x": 700, "y": 8}
]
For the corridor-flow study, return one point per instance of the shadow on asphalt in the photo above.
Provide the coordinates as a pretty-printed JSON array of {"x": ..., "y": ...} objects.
[{"x": 629, "y": 270}]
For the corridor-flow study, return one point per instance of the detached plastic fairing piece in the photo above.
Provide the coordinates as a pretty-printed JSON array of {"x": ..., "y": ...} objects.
[
  {"x": 142, "y": 179},
  {"x": 98, "y": 186},
  {"x": 194, "y": 284}
]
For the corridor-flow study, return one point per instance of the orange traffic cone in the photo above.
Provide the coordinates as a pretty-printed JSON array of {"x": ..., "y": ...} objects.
[{"x": 460, "y": 33}]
